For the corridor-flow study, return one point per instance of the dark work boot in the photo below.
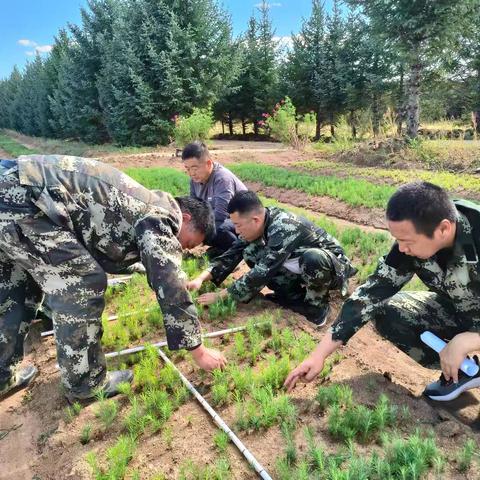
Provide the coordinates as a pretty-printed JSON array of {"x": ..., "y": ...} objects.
[
  {"x": 107, "y": 390},
  {"x": 21, "y": 378}
]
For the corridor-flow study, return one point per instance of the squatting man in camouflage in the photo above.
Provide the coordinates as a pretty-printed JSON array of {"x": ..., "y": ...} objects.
[
  {"x": 65, "y": 222},
  {"x": 299, "y": 261},
  {"x": 438, "y": 240}
]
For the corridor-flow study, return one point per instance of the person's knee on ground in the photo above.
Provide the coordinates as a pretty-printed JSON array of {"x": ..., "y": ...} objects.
[{"x": 318, "y": 274}]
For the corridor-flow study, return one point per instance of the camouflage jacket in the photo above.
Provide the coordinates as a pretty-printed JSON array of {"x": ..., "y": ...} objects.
[
  {"x": 286, "y": 235},
  {"x": 119, "y": 222},
  {"x": 453, "y": 273}
]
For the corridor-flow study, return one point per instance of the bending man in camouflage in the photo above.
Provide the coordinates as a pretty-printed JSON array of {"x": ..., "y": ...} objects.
[
  {"x": 438, "y": 240},
  {"x": 299, "y": 261},
  {"x": 64, "y": 222}
]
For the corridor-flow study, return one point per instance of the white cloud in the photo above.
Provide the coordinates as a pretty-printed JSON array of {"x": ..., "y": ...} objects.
[
  {"x": 269, "y": 4},
  {"x": 285, "y": 41},
  {"x": 36, "y": 47},
  {"x": 43, "y": 48},
  {"x": 27, "y": 43}
]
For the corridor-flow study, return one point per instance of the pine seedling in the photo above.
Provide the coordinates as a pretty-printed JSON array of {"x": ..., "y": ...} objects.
[
  {"x": 291, "y": 454},
  {"x": 72, "y": 412},
  {"x": 240, "y": 348},
  {"x": 465, "y": 455},
  {"x": 334, "y": 395},
  {"x": 315, "y": 455},
  {"x": 180, "y": 395},
  {"x": 86, "y": 434},
  {"x": 167, "y": 437},
  {"x": 219, "y": 393},
  {"x": 221, "y": 441},
  {"x": 242, "y": 380},
  {"x": 157, "y": 403},
  {"x": 135, "y": 421},
  {"x": 168, "y": 377},
  {"x": 125, "y": 388},
  {"x": 107, "y": 411},
  {"x": 275, "y": 373}
]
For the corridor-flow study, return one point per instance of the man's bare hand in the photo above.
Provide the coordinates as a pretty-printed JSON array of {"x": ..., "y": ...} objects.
[
  {"x": 194, "y": 284},
  {"x": 208, "y": 359},
  {"x": 307, "y": 371}
]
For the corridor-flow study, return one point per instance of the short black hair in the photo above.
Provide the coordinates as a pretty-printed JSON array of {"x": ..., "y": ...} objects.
[
  {"x": 196, "y": 150},
  {"x": 244, "y": 202},
  {"x": 203, "y": 219},
  {"x": 424, "y": 204}
]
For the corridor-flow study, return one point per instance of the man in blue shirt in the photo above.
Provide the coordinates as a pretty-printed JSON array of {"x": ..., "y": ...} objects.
[{"x": 216, "y": 185}]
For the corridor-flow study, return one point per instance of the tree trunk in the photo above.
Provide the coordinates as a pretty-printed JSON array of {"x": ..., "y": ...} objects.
[
  {"x": 255, "y": 127},
  {"x": 353, "y": 124},
  {"x": 332, "y": 126},
  {"x": 375, "y": 116},
  {"x": 413, "y": 98},
  {"x": 230, "y": 124},
  {"x": 244, "y": 127},
  {"x": 223, "y": 127},
  {"x": 318, "y": 126},
  {"x": 400, "y": 110},
  {"x": 476, "y": 122}
]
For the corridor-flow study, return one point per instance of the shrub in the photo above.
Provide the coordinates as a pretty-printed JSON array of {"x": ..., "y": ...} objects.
[
  {"x": 290, "y": 129},
  {"x": 194, "y": 127}
]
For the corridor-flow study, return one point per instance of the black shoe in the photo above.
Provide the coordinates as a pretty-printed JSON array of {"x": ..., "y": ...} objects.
[
  {"x": 108, "y": 389},
  {"x": 443, "y": 391},
  {"x": 21, "y": 378}
]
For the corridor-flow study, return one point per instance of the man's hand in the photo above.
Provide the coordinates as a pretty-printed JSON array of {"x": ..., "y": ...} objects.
[
  {"x": 208, "y": 359},
  {"x": 452, "y": 356},
  {"x": 305, "y": 372},
  {"x": 194, "y": 284},
  {"x": 212, "y": 297},
  {"x": 313, "y": 365}
]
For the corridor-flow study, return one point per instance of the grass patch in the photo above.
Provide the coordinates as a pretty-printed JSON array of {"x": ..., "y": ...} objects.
[
  {"x": 14, "y": 148},
  {"x": 351, "y": 191},
  {"x": 447, "y": 180}
]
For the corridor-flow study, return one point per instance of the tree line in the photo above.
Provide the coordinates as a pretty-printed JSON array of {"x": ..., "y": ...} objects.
[{"x": 131, "y": 66}]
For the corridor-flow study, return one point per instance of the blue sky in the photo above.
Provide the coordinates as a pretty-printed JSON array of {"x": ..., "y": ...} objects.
[{"x": 27, "y": 26}]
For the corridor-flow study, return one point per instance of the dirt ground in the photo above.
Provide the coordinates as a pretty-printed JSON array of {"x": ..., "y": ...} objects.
[{"x": 37, "y": 444}]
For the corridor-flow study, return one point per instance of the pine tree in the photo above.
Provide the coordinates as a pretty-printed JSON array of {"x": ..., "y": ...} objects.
[{"x": 420, "y": 29}]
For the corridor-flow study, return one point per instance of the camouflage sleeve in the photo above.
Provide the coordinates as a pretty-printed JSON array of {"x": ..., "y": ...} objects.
[
  {"x": 246, "y": 287},
  {"x": 160, "y": 253},
  {"x": 225, "y": 264},
  {"x": 393, "y": 272}
]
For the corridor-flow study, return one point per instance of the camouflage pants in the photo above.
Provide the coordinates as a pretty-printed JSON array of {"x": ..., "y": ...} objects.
[
  {"x": 408, "y": 314},
  {"x": 35, "y": 251},
  {"x": 312, "y": 285}
]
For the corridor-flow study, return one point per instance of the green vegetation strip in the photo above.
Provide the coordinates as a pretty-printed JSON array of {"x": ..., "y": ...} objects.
[
  {"x": 363, "y": 247},
  {"x": 447, "y": 180},
  {"x": 351, "y": 191},
  {"x": 12, "y": 147}
]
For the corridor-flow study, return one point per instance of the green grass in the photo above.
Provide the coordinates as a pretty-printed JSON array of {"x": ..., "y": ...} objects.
[
  {"x": 447, "y": 180},
  {"x": 70, "y": 147},
  {"x": 351, "y": 191},
  {"x": 161, "y": 178},
  {"x": 14, "y": 148}
]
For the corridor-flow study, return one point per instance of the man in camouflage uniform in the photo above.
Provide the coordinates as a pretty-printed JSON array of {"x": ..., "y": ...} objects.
[
  {"x": 299, "y": 261},
  {"x": 438, "y": 240},
  {"x": 65, "y": 222}
]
